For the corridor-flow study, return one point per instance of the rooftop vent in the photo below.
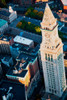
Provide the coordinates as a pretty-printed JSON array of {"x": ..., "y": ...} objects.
[
  {"x": 10, "y": 88},
  {"x": 16, "y": 45},
  {"x": 15, "y": 71},
  {"x": 4, "y": 39}
]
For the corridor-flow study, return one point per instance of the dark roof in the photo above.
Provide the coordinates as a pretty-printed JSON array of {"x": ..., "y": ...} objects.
[
  {"x": 16, "y": 31},
  {"x": 24, "y": 58},
  {"x": 18, "y": 90},
  {"x": 27, "y": 49},
  {"x": 20, "y": 74},
  {"x": 34, "y": 37},
  {"x": 4, "y": 12},
  {"x": 27, "y": 58}
]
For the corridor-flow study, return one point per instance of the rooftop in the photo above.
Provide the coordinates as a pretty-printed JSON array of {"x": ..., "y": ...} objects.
[
  {"x": 2, "y": 22},
  {"x": 26, "y": 49},
  {"x": 64, "y": 2},
  {"x": 22, "y": 40},
  {"x": 23, "y": 60},
  {"x": 17, "y": 71},
  {"x": 18, "y": 90},
  {"x": 16, "y": 31}
]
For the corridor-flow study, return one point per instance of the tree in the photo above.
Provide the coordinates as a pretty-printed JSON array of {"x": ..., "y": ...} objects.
[
  {"x": 37, "y": 28},
  {"x": 35, "y": 11},
  {"x": 30, "y": 8},
  {"x": 40, "y": 14},
  {"x": 28, "y": 12},
  {"x": 28, "y": 26},
  {"x": 19, "y": 24},
  {"x": 29, "y": 23}
]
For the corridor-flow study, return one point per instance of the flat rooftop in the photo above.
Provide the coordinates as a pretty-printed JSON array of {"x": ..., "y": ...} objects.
[
  {"x": 64, "y": 2},
  {"x": 18, "y": 90},
  {"x": 22, "y": 61},
  {"x": 17, "y": 72},
  {"x": 22, "y": 40},
  {"x": 26, "y": 49},
  {"x": 2, "y": 22}
]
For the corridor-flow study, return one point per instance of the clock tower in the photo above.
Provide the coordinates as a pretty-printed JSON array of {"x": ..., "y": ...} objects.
[{"x": 51, "y": 50}]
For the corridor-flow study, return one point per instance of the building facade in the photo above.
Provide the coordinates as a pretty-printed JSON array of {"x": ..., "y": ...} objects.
[
  {"x": 51, "y": 50},
  {"x": 4, "y": 47},
  {"x": 8, "y": 14},
  {"x": 3, "y": 25}
]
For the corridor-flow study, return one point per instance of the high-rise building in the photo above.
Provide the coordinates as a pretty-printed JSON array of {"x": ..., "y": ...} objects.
[{"x": 52, "y": 55}]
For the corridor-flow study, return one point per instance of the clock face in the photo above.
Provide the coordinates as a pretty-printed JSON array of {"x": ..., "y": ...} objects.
[{"x": 47, "y": 35}]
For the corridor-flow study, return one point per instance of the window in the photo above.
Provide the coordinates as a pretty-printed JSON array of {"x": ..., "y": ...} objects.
[
  {"x": 46, "y": 56},
  {"x": 49, "y": 89},
  {"x": 51, "y": 58},
  {"x": 52, "y": 47}
]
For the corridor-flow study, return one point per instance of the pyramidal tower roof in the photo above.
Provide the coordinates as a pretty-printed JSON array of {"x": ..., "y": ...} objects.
[{"x": 49, "y": 20}]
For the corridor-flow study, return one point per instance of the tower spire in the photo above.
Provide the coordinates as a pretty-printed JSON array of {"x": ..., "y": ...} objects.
[
  {"x": 51, "y": 50},
  {"x": 47, "y": 5},
  {"x": 48, "y": 21}
]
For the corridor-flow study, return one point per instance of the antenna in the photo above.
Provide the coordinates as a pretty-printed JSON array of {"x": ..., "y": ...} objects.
[{"x": 10, "y": 88}]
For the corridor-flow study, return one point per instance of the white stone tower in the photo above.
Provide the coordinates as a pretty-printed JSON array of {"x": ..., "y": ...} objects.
[
  {"x": 10, "y": 9},
  {"x": 51, "y": 50}
]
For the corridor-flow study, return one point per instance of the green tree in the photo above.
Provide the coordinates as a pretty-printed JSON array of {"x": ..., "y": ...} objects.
[
  {"x": 30, "y": 8},
  {"x": 37, "y": 28},
  {"x": 28, "y": 26},
  {"x": 35, "y": 11}
]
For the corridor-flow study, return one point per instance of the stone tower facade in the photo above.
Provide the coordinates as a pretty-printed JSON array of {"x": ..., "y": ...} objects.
[{"x": 51, "y": 50}]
